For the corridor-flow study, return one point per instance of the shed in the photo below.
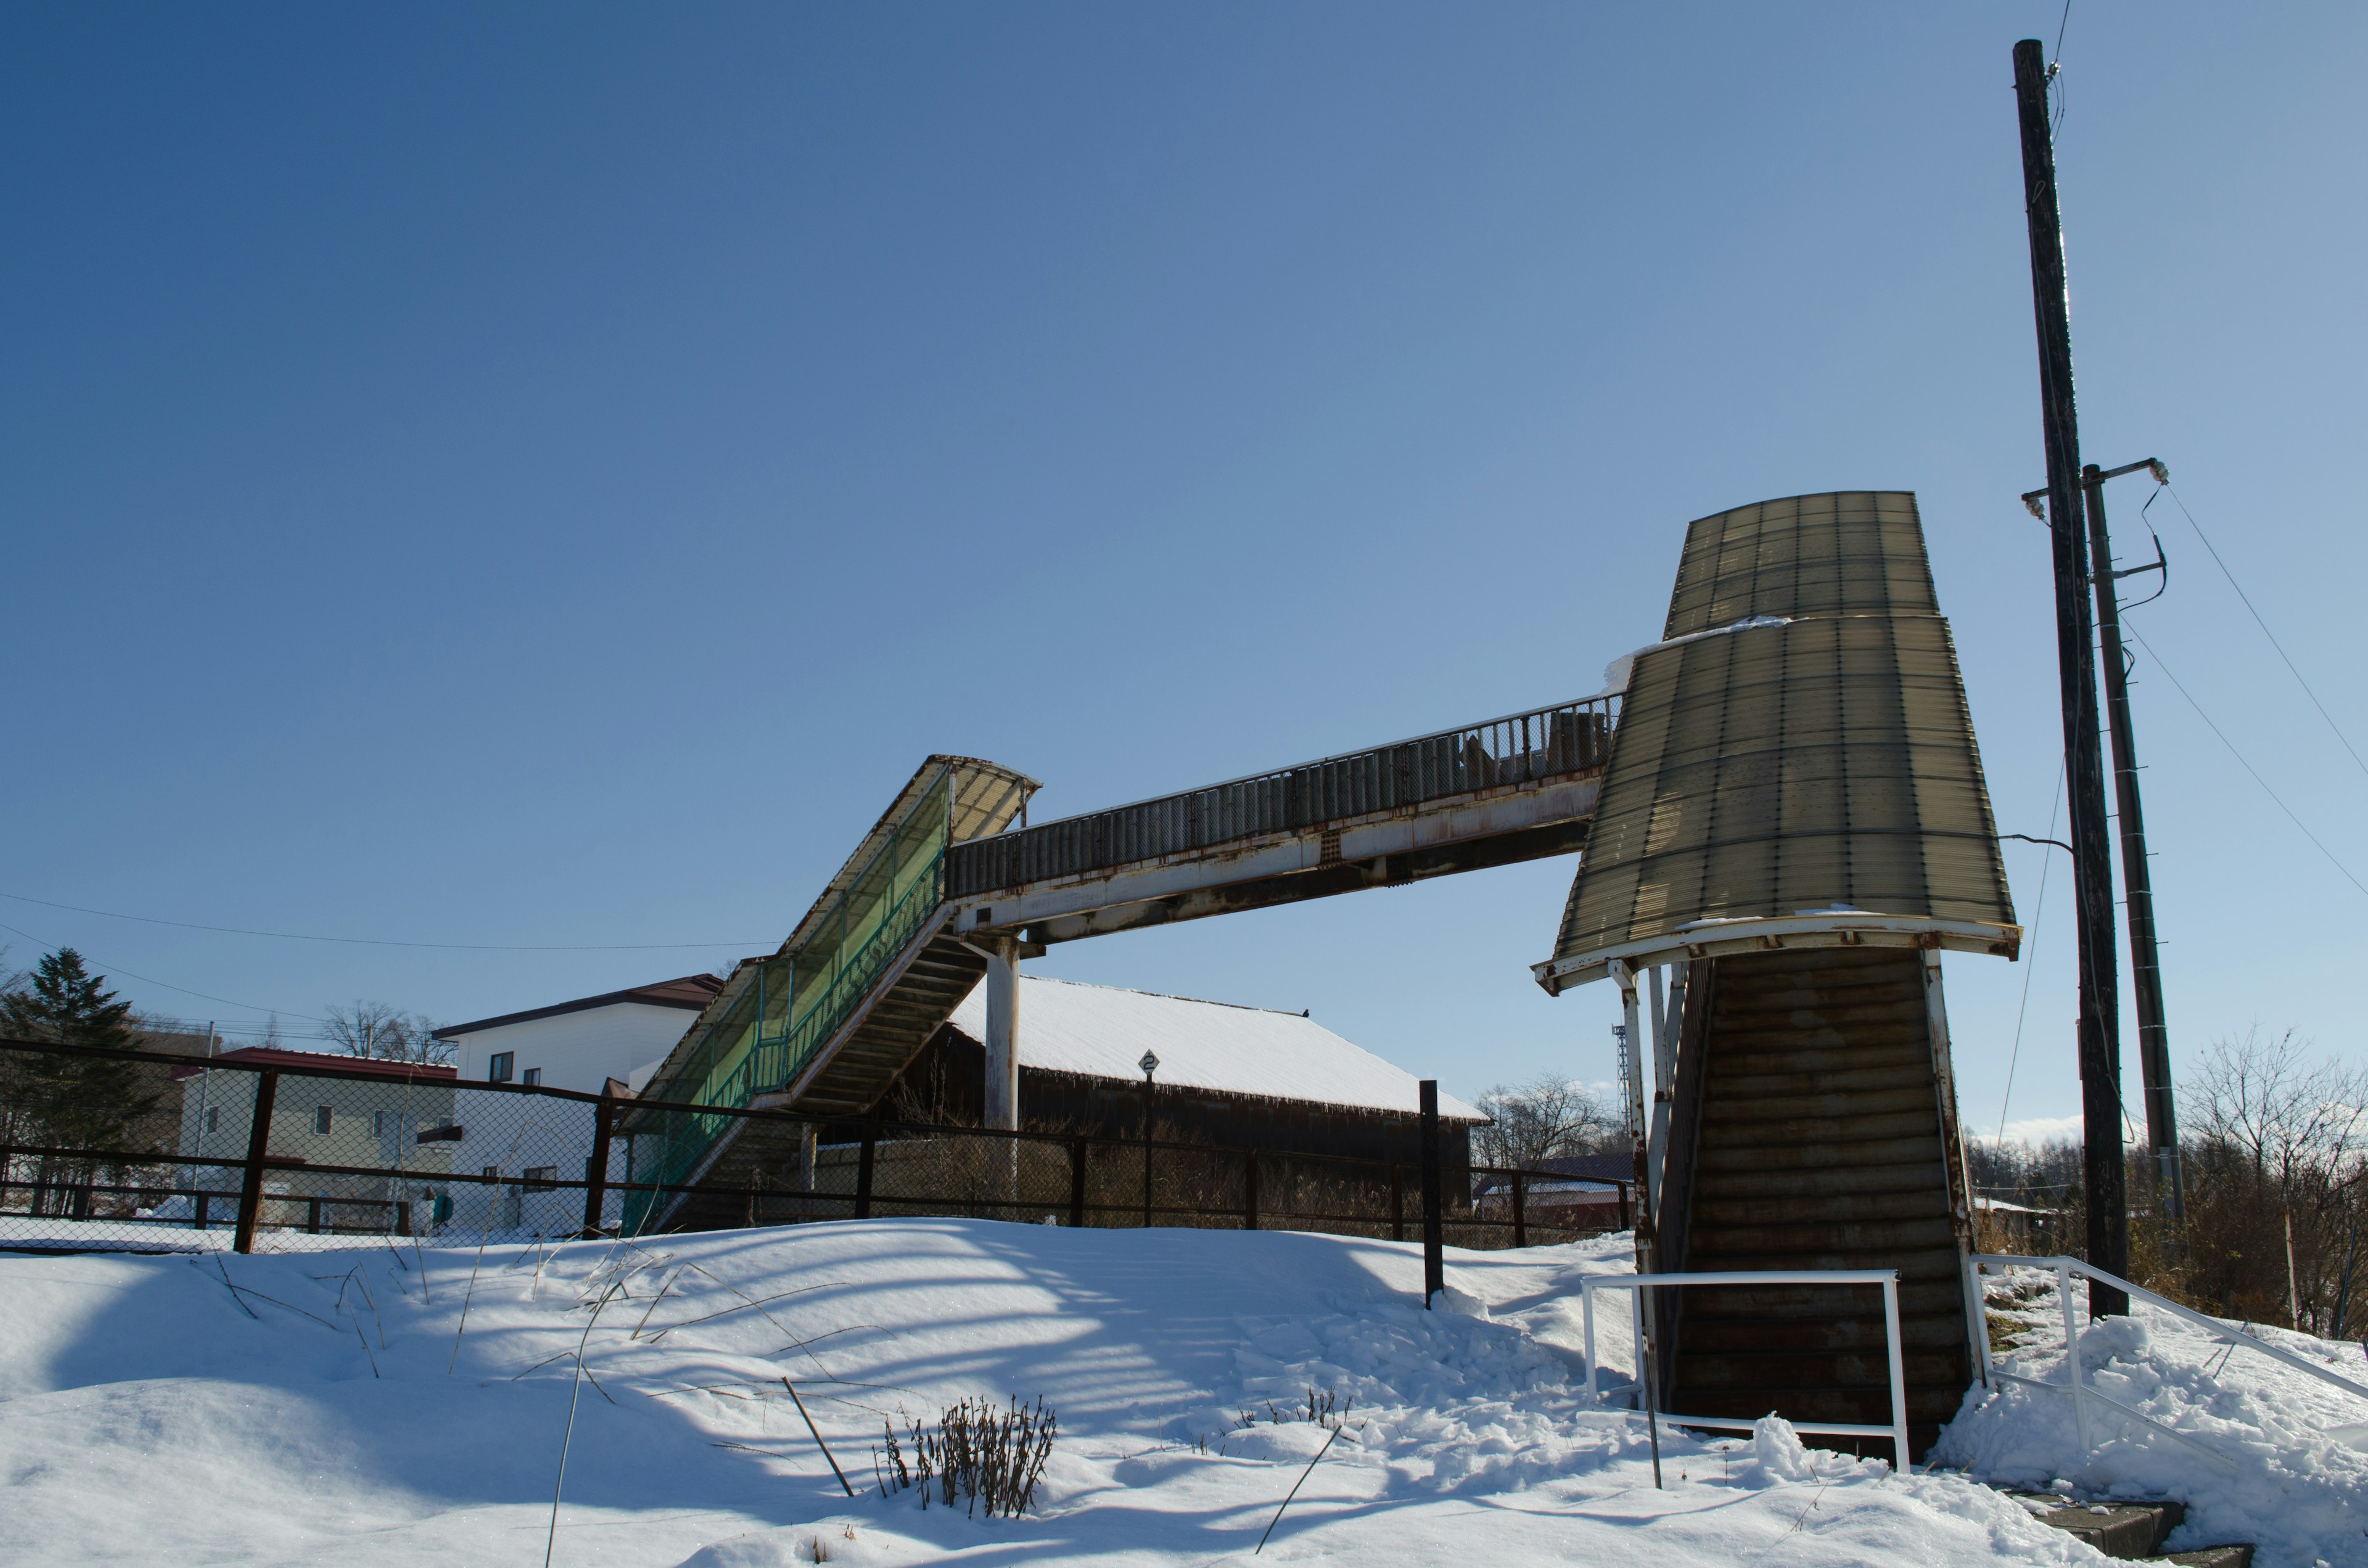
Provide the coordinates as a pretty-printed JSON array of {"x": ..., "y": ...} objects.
[{"x": 1229, "y": 1075}]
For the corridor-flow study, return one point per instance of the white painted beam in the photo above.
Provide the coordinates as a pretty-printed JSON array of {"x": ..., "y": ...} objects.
[{"x": 1440, "y": 824}]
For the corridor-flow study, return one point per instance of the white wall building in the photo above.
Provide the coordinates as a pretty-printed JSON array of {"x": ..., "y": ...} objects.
[
  {"x": 584, "y": 1043},
  {"x": 523, "y": 1141}
]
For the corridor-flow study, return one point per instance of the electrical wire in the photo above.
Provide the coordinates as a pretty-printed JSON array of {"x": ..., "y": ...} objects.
[
  {"x": 152, "y": 980},
  {"x": 378, "y": 942},
  {"x": 2030, "y": 941},
  {"x": 2056, "y": 71},
  {"x": 2248, "y": 767},
  {"x": 2264, "y": 625}
]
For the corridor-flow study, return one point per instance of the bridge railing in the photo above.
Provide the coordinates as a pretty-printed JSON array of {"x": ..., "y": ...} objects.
[
  {"x": 1544, "y": 743},
  {"x": 796, "y": 1000}
]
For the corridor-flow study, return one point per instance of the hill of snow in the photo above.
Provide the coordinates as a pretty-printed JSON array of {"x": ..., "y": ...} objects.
[{"x": 334, "y": 1407}]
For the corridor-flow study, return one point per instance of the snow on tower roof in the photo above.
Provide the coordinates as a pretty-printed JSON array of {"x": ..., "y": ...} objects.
[{"x": 1101, "y": 1031}]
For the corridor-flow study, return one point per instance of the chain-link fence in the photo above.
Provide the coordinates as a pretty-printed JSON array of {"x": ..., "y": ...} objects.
[{"x": 128, "y": 1150}]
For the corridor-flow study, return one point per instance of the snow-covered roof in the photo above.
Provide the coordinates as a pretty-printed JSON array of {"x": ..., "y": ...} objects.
[{"x": 1099, "y": 1031}]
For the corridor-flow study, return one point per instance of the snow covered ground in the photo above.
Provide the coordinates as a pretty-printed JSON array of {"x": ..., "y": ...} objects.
[
  {"x": 331, "y": 1407},
  {"x": 2282, "y": 1461}
]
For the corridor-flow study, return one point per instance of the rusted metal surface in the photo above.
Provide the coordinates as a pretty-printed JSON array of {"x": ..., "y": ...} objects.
[
  {"x": 1823, "y": 1136},
  {"x": 1502, "y": 754},
  {"x": 1527, "y": 824},
  {"x": 1800, "y": 744}
]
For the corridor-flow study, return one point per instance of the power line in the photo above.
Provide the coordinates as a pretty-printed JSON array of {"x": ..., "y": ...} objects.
[
  {"x": 2032, "y": 943},
  {"x": 2264, "y": 625},
  {"x": 152, "y": 980},
  {"x": 2248, "y": 767},
  {"x": 2055, "y": 68},
  {"x": 378, "y": 942}
]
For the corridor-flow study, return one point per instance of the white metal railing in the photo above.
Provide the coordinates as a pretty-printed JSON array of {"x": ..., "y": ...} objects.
[
  {"x": 1887, "y": 1277},
  {"x": 2076, "y": 1383}
]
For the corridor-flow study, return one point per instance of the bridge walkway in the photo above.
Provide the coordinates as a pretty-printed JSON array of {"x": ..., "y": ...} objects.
[{"x": 944, "y": 889}]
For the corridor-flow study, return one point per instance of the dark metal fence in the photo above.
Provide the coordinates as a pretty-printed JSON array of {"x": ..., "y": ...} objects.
[
  {"x": 126, "y": 1149},
  {"x": 1545, "y": 743}
]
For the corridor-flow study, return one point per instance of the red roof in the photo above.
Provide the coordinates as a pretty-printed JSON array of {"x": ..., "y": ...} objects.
[{"x": 367, "y": 1066}]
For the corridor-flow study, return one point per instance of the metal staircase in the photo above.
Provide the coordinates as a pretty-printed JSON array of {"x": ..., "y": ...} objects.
[
  {"x": 825, "y": 1023},
  {"x": 895, "y": 942},
  {"x": 1814, "y": 1127}
]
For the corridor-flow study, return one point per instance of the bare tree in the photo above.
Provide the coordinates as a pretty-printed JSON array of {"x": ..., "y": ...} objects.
[
  {"x": 1544, "y": 1119},
  {"x": 2277, "y": 1182},
  {"x": 377, "y": 1030},
  {"x": 2289, "y": 1115}
]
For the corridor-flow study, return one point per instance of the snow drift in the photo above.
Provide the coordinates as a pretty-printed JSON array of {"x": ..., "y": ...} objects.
[{"x": 285, "y": 1409}]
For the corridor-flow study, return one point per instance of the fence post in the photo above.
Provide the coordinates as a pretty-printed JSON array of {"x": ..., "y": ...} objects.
[
  {"x": 1076, "y": 1183},
  {"x": 1249, "y": 1189},
  {"x": 403, "y": 1217},
  {"x": 258, "y": 1142},
  {"x": 2072, "y": 1354},
  {"x": 1397, "y": 1201},
  {"x": 1520, "y": 1210},
  {"x": 312, "y": 1215},
  {"x": 7, "y": 1168},
  {"x": 198, "y": 1208},
  {"x": 1434, "y": 1260},
  {"x": 1626, "y": 1223},
  {"x": 596, "y": 1168},
  {"x": 863, "y": 1159}
]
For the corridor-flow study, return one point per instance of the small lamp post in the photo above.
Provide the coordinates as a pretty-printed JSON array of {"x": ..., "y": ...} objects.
[{"x": 1150, "y": 1065}]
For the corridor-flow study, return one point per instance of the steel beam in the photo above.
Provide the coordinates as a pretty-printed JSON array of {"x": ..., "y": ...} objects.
[{"x": 1466, "y": 832}]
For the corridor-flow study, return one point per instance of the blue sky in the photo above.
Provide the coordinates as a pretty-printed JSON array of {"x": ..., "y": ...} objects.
[{"x": 546, "y": 475}]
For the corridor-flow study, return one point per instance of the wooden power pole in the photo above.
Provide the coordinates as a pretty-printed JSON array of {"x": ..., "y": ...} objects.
[
  {"x": 2099, "y": 1041},
  {"x": 2137, "y": 877}
]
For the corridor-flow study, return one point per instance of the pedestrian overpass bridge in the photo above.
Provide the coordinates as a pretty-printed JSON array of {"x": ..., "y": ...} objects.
[
  {"x": 1780, "y": 808},
  {"x": 946, "y": 888}
]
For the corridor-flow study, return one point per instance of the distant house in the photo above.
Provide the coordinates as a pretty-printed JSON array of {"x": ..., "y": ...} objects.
[
  {"x": 517, "y": 1144},
  {"x": 1232, "y": 1076},
  {"x": 373, "y": 1120},
  {"x": 1582, "y": 1192},
  {"x": 584, "y": 1043}
]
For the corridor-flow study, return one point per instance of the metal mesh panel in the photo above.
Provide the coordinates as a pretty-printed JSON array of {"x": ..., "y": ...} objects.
[
  {"x": 130, "y": 1151},
  {"x": 1782, "y": 769},
  {"x": 348, "y": 1156}
]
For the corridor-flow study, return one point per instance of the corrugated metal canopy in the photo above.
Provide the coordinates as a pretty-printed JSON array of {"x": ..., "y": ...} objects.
[
  {"x": 1812, "y": 779},
  {"x": 987, "y": 797},
  {"x": 1855, "y": 550}
]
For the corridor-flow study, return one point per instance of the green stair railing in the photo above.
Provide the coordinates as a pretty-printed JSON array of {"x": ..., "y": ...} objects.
[{"x": 795, "y": 1003}]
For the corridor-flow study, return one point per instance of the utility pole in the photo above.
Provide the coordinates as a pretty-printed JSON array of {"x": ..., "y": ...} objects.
[
  {"x": 2137, "y": 882},
  {"x": 2099, "y": 1043}
]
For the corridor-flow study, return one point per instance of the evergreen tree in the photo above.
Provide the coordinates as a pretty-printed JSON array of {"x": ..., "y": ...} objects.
[
  {"x": 66, "y": 1003},
  {"x": 62, "y": 1101}
]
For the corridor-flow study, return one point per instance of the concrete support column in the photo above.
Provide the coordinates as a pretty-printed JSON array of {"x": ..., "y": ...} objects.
[{"x": 1002, "y": 1031}]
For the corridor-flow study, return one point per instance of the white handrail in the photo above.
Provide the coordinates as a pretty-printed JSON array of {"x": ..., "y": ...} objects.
[
  {"x": 2076, "y": 1382},
  {"x": 1887, "y": 1277}
]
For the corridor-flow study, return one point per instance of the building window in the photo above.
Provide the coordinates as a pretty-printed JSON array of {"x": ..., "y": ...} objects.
[
  {"x": 542, "y": 1179},
  {"x": 213, "y": 1118},
  {"x": 532, "y": 1075},
  {"x": 322, "y": 1119},
  {"x": 493, "y": 1172},
  {"x": 497, "y": 1067}
]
